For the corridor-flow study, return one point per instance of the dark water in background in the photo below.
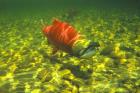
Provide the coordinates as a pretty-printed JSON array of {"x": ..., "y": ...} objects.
[{"x": 21, "y": 6}]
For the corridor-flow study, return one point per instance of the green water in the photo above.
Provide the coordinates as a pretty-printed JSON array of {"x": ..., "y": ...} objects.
[{"x": 26, "y": 63}]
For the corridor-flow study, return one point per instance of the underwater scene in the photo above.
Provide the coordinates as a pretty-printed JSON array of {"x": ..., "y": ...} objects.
[{"x": 69, "y": 46}]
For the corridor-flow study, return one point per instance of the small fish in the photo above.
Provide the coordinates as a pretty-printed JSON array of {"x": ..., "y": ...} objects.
[{"x": 64, "y": 37}]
